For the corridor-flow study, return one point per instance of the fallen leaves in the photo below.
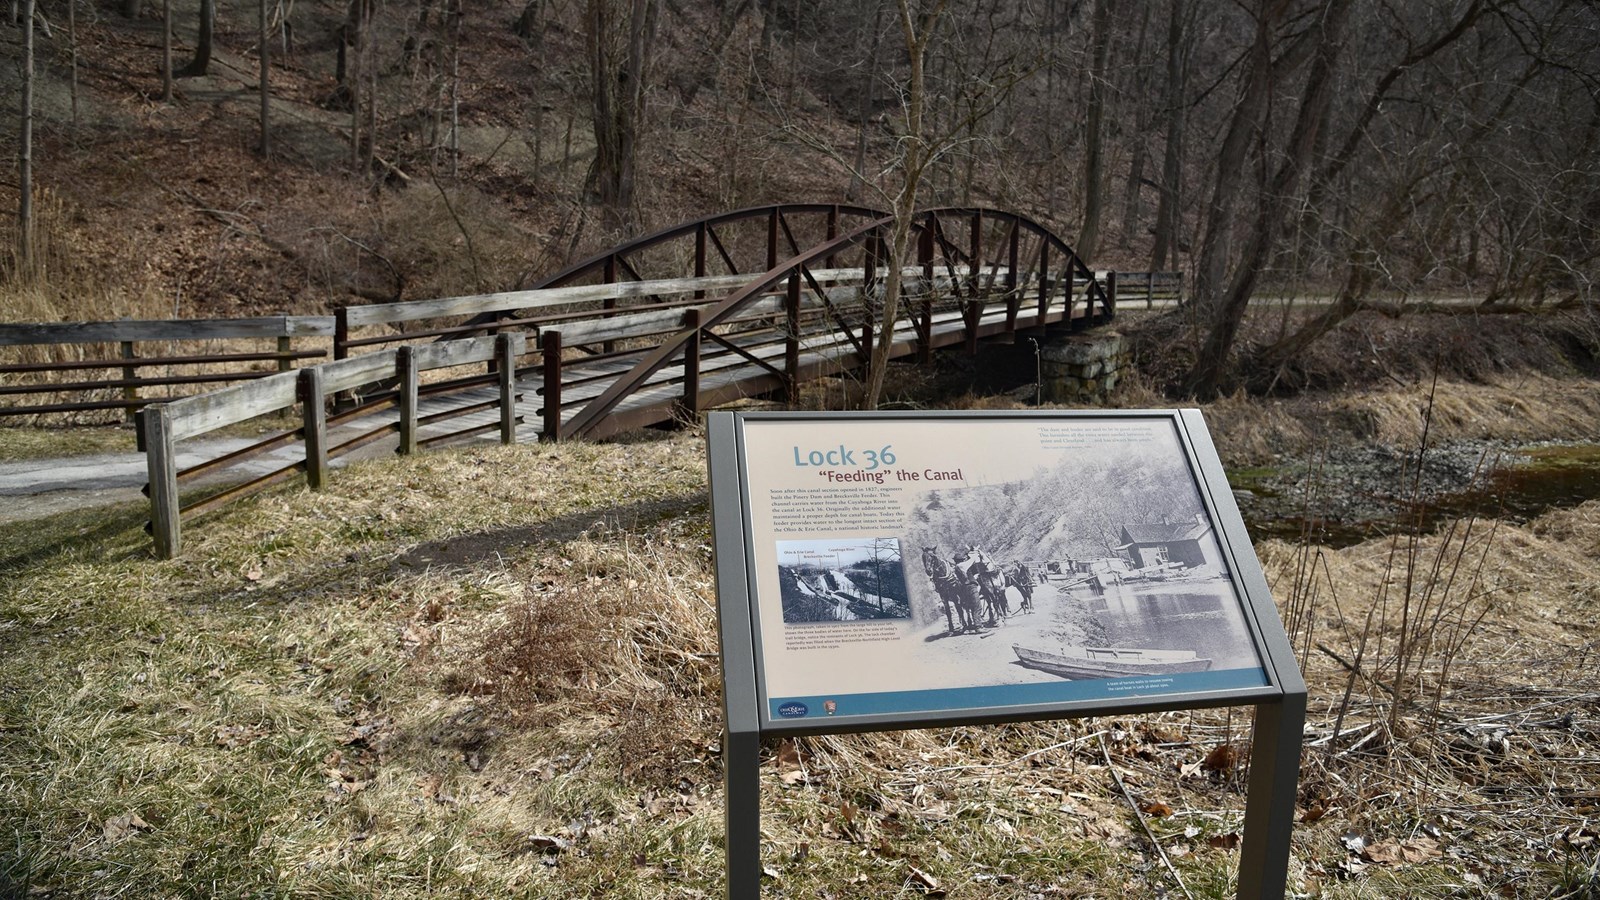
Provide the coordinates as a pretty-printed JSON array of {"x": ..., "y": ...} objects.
[
  {"x": 119, "y": 828},
  {"x": 232, "y": 737},
  {"x": 1394, "y": 853}
]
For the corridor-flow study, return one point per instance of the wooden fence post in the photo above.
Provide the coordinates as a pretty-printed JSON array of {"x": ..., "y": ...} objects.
[
  {"x": 1111, "y": 294},
  {"x": 129, "y": 373},
  {"x": 406, "y": 366},
  {"x": 285, "y": 347},
  {"x": 690, "y": 404},
  {"x": 161, "y": 462},
  {"x": 507, "y": 359},
  {"x": 315, "y": 431},
  {"x": 551, "y": 341},
  {"x": 341, "y": 333}
]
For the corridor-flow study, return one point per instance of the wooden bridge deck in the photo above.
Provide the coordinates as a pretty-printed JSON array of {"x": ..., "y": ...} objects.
[{"x": 726, "y": 376}]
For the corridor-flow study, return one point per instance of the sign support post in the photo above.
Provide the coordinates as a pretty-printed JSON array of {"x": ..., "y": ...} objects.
[
  {"x": 741, "y": 736},
  {"x": 1269, "y": 802}
]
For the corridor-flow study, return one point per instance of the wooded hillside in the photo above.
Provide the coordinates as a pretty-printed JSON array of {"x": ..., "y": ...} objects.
[{"x": 1371, "y": 151}]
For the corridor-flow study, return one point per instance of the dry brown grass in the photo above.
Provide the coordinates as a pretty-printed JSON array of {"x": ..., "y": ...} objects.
[{"x": 1517, "y": 409}]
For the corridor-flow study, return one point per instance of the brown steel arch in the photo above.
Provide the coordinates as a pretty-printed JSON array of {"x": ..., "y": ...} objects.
[{"x": 978, "y": 254}]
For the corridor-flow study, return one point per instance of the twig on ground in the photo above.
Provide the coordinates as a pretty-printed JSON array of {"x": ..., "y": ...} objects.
[
  {"x": 1028, "y": 755},
  {"x": 1138, "y": 814}
]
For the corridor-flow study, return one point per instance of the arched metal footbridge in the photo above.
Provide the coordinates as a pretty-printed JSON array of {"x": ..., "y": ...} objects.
[
  {"x": 742, "y": 304},
  {"x": 751, "y": 302}
]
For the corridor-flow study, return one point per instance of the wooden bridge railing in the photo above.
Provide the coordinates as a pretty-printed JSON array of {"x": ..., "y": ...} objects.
[
  {"x": 120, "y": 387},
  {"x": 163, "y": 425},
  {"x": 1153, "y": 288},
  {"x": 755, "y": 302}
]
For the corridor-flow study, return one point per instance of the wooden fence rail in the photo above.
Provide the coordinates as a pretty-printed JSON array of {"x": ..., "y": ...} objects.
[
  {"x": 162, "y": 425},
  {"x": 123, "y": 371},
  {"x": 1154, "y": 288}
]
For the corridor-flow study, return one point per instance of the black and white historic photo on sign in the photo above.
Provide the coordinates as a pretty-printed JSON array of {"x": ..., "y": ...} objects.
[
  {"x": 906, "y": 565},
  {"x": 1100, "y": 566},
  {"x": 843, "y": 580}
]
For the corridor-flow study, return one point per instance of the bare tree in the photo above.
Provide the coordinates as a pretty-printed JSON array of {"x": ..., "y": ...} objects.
[
  {"x": 25, "y": 144},
  {"x": 620, "y": 36},
  {"x": 1180, "y": 31},
  {"x": 201, "y": 64},
  {"x": 1094, "y": 149},
  {"x": 919, "y": 20},
  {"x": 263, "y": 87},
  {"x": 1227, "y": 312}
]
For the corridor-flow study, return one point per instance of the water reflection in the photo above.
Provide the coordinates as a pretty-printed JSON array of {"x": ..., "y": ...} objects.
[{"x": 1203, "y": 617}]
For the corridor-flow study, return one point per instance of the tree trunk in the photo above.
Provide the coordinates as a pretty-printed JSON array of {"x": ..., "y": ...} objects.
[
  {"x": 455, "y": 88},
  {"x": 166, "y": 51},
  {"x": 201, "y": 63},
  {"x": 1168, "y": 206},
  {"x": 869, "y": 84},
  {"x": 1132, "y": 207},
  {"x": 265, "y": 84},
  {"x": 618, "y": 76},
  {"x": 25, "y": 148},
  {"x": 369, "y": 56},
  {"x": 1217, "y": 247},
  {"x": 1225, "y": 316},
  {"x": 918, "y": 30},
  {"x": 1093, "y": 159},
  {"x": 130, "y": 8},
  {"x": 72, "y": 37}
]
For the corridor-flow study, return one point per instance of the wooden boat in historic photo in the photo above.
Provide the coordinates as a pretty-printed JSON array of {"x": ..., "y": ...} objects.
[{"x": 1081, "y": 663}]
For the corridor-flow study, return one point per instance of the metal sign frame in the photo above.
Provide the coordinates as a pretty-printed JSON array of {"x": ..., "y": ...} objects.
[{"x": 1279, "y": 702}]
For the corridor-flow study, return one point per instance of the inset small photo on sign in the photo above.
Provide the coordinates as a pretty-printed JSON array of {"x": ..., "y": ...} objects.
[{"x": 842, "y": 580}]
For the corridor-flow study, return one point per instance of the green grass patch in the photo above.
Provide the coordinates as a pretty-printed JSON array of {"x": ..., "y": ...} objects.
[{"x": 44, "y": 443}]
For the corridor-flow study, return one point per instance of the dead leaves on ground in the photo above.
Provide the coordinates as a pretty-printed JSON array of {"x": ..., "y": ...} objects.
[
  {"x": 120, "y": 828},
  {"x": 1393, "y": 853}
]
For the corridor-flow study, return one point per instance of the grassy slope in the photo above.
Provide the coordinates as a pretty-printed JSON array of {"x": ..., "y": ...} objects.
[{"x": 493, "y": 670}]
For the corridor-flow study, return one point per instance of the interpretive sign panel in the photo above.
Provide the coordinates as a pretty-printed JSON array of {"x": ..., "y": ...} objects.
[
  {"x": 935, "y": 567},
  {"x": 899, "y": 570}
]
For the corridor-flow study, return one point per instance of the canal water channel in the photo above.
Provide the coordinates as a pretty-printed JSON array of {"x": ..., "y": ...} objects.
[{"x": 1338, "y": 502}]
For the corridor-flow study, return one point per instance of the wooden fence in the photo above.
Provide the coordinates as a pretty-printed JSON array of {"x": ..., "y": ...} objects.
[
  {"x": 396, "y": 372},
  {"x": 1154, "y": 288},
  {"x": 120, "y": 386}
]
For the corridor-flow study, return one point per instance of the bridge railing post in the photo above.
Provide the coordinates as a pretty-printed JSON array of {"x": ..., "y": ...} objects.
[
  {"x": 130, "y": 391},
  {"x": 314, "y": 422},
  {"x": 505, "y": 355},
  {"x": 161, "y": 463},
  {"x": 700, "y": 257},
  {"x": 550, "y": 343},
  {"x": 689, "y": 405},
  {"x": 772, "y": 239},
  {"x": 341, "y": 333},
  {"x": 791, "y": 340},
  {"x": 1044, "y": 283},
  {"x": 406, "y": 368},
  {"x": 1110, "y": 310},
  {"x": 975, "y": 264}
]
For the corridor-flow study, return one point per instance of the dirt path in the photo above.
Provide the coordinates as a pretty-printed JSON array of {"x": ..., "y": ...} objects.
[{"x": 35, "y": 488}]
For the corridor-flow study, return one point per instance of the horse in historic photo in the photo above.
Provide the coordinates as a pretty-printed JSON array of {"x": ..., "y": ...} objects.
[
  {"x": 1022, "y": 578},
  {"x": 949, "y": 587},
  {"x": 978, "y": 569}
]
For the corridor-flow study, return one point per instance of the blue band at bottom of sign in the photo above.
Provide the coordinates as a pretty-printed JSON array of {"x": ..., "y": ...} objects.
[{"x": 1006, "y": 695}]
